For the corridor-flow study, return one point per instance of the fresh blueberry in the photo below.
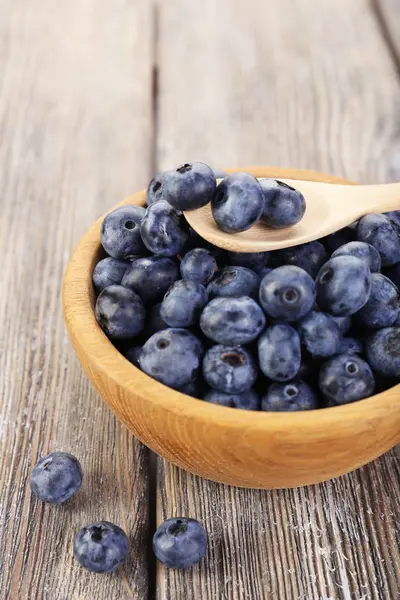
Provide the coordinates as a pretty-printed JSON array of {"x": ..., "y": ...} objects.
[
  {"x": 230, "y": 369},
  {"x": 309, "y": 257},
  {"x": 383, "y": 351},
  {"x": 120, "y": 232},
  {"x": 151, "y": 277},
  {"x": 109, "y": 271},
  {"x": 339, "y": 238},
  {"x": 232, "y": 321},
  {"x": 251, "y": 260},
  {"x": 195, "y": 388},
  {"x": 383, "y": 305},
  {"x": 172, "y": 356},
  {"x": 120, "y": 312},
  {"x": 199, "y": 265},
  {"x": 343, "y": 285},
  {"x": 180, "y": 543},
  {"x": 393, "y": 273},
  {"x": 196, "y": 241},
  {"x": 133, "y": 355},
  {"x": 234, "y": 281},
  {"x": 364, "y": 252},
  {"x": 101, "y": 548},
  {"x": 190, "y": 186},
  {"x": 344, "y": 324},
  {"x": 247, "y": 400},
  {"x": 154, "y": 322},
  {"x": 383, "y": 234},
  {"x": 350, "y": 345},
  {"x": 279, "y": 352},
  {"x": 283, "y": 205},
  {"x": 237, "y": 203},
  {"x": 154, "y": 191},
  {"x": 289, "y": 397},
  {"x": 219, "y": 173},
  {"x": 56, "y": 477},
  {"x": 345, "y": 378},
  {"x": 183, "y": 303},
  {"x": 287, "y": 293},
  {"x": 164, "y": 230},
  {"x": 394, "y": 215},
  {"x": 319, "y": 334}
]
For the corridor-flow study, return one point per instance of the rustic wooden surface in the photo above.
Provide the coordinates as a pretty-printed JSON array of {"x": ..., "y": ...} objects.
[{"x": 83, "y": 121}]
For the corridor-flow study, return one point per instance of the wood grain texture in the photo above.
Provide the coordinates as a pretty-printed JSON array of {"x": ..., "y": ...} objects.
[
  {"x": 283, "y": 82},
  {"x": 75, "y": 122},
  {"x": 388, "y": 13}
]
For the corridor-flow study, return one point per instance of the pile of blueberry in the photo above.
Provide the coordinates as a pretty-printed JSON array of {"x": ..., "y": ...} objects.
[
  {"x": 103, "y": 547},
  {"x": 310, "y": 326}
]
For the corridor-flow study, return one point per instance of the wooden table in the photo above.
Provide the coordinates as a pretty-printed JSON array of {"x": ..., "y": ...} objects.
[{"x": 94, "y": 97}]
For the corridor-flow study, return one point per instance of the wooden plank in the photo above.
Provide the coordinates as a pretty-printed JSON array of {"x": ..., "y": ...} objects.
[
  {"x": 388, "y": 13},
  {"x": 299, "y": 84},
  {"x": 76, "y": 126}
]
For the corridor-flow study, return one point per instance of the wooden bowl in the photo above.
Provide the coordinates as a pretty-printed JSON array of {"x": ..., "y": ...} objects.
[{"x": 243, "y": 448}]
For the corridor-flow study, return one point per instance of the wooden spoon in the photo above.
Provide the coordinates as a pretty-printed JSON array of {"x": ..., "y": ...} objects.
[{"x": 329, "y": 207}]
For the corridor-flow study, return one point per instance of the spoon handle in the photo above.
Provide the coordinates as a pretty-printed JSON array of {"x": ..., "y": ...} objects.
[{"x": 372, "y": 198}]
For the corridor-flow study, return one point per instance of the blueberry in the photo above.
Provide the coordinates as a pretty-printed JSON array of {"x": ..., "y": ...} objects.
[
  {"x": 394, "y": 215},
  {"x": 199, "y": 265},
  {"x": 232, "y": 321},
  {"x": 196, "y": 241},
  {"x": 164, "y": 230},
  {"x": 101, "y": 548},
  {"x": 133, "y": 355},
  {"x": 247, "y": 400},
  {"x": 237, "y": 203},
  {"x": 287, "y": 293},
  {"x": 56, "y": 477},
  {"x": 229, "y": 369},
  {"x": 154, "y": 191},
  {"x": 172, "y": 356},
  {"x": 154, "y": 322},
  {"x": 109, "y": 271},
  {"x": 363, "y": 251},
  {"x": 194, "y": 388},
  {"x": 383, "y": 234},
  {"x": 393, "y": 273},
  {"x": 283, "y": 205},
  {"x": 219, "y": 173},
  {"x": 151, "y": 277},
  {"x": 279, "y": 352},
  {"x": 120, "y": 232},
  {"x": 180, "y": 543},
  {"x": 345, "y": 378},
  {"x": 183, "y": 303},
  {"x": 343, "y": 285},
  {"x": 383, "y": 351},
  {"x": 350, "y": 345},
  {"x": 251, "y": 260},
  {"x": 383, "y": 305},
  {"x": 190, "y": 186},
  {"x": 234, "y": 281},
  {"x": 120, "y": 312},
  {"x": 309, "y": 257},
  {"x": 344, "y": 324},
  {"x": 319, "y": 334},
  {"x": 339, "y": 238},
  {"x": 289, "y": 397}
]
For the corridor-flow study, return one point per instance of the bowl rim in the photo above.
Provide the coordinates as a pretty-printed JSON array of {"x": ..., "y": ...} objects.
[{"x": 85, "y": 333}]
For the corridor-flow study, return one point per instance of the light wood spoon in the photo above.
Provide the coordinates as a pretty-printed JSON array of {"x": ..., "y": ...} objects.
[{"x": 329, "y": 207}]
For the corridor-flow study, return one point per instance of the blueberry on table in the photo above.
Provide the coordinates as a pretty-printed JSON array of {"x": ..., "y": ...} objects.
[
  {"x": 154, "y": 190},
  {"x": 283, "y": 205},
  {"x": 120, "y": 232},
  {"x": 183, "y": 303},
  {"x": 234, "y": 281},
  {"x": 382, "y": 233},
  {"x": 180, "y": 542},
  {"x": 120, "y": 312},
  {"x": 151, "y": 277},
  {"x": 229, "y": 369},
  {"x": 232, "y": 321},
  {"x": 164, "y": 230},
  {"x": 247, "y": 400},
  {"x": 383, "y": 351},
  {"x": 133, "y": 355},
  {"x": 172, "y": 356},
  {"x": 56, "y": 477},
  {"x": 251, "y": 260},
  {"x": 346, "y": 378},
  {"x": 343, "y": 285},
  {"x": 279, "y": 352},
  {"x": 364, "y": 252},
  {"x": 237, "y": 203},
  {"x": 350, "y": 345},
  {"x": 190, "y": 186},
  {"x": 319, "y": 334},
  {"x": 109, "y": 271},
  {"x": 101, "y": 548},
  {"x": 287, "y": 293},
  {"x": 199, "y": 265},
  {"x": 310, "y": 257},
  {"x": 383, "y": 305},
  {"x": 289, "y": 397}
]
